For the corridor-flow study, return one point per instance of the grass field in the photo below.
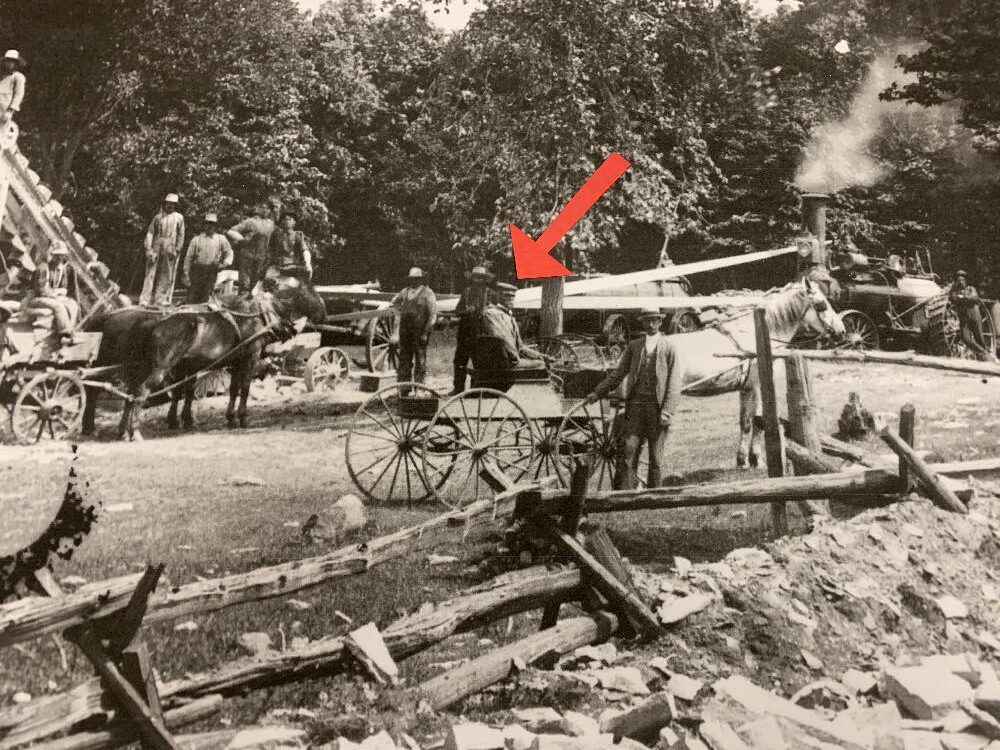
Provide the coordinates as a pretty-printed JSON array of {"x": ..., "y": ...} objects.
[{"x": 215, "y": 501}]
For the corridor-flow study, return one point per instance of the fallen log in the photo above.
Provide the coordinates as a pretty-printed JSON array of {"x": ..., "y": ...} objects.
[
  {"x": 32, "y": 617},
  {"x": 910, "y": 359},
  {"x": 121, "y": 733},
  {"x": 840, "y": 484},
  {"x": 506, "y": 595},
  {"x": 808, "y": 462},
  {"x": 939, "y": 492},
  {"x": 839, "y": 449},
  {"x": 565, "y": 636}
]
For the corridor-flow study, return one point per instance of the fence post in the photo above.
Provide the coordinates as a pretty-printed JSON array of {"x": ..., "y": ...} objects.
[
  {"x": 802, "y": 418},
  {"x": 907, "y": 425},
  {"x": 769, "y": 406}
]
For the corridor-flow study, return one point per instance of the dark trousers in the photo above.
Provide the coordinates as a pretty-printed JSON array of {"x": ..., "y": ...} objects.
[
  {"x": 640, "y": 424},
  {"x": 412, "y": 354},
  {"x": 202, "y": 283},
  {"x": 249, "y": 267},
  {"x": 463, "y": 355},
  {"x": 972, "y": 332}
]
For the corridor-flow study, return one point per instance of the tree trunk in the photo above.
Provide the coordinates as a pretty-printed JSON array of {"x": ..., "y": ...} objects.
[{"x": 552, "y": 306}]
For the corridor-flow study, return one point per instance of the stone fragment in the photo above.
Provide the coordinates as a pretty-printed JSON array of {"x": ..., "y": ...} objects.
[
  {"x": 858, "y": 682},
  {"x": 676, "y": 609},
  {"x": 811, "y": 660},
  {"x": 683, "y": 687},
  {"x": 720, "y": 736},
  {"x": 682, "y": 565},
  {"x": 543, "y": 719},
  {"x": 916, "y": 740},
  {"x": 951, "y": 607},
  {"x": 926, "y": 692},
  {"x": 256, "y": 644},
  {"x": 565, "y": 742},
  {"x": 622, "y": 679},
  {"x": 367, "y": 646},
  {"x": 605, "y": 653},
  {"x": 383, "y": 741},
  {"x": 576, "y": 724},
  {"x": 987, "y": 698},
  {"x": 668, "y": 739},
  {"x": 255, "y": 737},
  {"x": 763, "y": 734},
  {"x": 516, "y": 737},
  {"x": 966, "y": 666},
  {"x": 474, "y": 736},
  {"x": 879, "y": 725},
  {"x": 643, "y": 721},
  {"x": 963, "y": 741}
]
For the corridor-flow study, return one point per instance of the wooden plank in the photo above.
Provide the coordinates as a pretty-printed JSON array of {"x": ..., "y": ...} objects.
[
  {"x": 769, "y": 407},
  {"x": 801, "y": 405},
  {"x": 368, "y": 647},
  {"x": 939, "y": 492},
  {"x": 601, "y": 579},
  {"x": 784, "y": 489},
  {"x": 569, "y": 522},
  {"x": 29, "y": 618},
  {"x": 907, "y": 426},
  {"x": 567, "y": 635},
  {"x": 136, "y": 667},
  {"x": 151, "y": 729},
  {"x": 909, "y": 359},
  {"x": 122, "y": 733},
  {"x": 120, "y": 629},
  {"x": 806, "y": 461},
  {"x": 634, "y": 304}
]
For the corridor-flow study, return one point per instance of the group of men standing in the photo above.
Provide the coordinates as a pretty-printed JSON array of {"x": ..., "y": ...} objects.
[{"x": 260, "y": 246}]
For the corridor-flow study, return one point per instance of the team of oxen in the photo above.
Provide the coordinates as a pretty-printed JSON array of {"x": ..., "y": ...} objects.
[{"x": 161, "y": 350}]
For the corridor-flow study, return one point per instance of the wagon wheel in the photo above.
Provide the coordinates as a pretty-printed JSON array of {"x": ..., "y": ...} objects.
[
  {"x": 50, "y": 405},
  {"x": 482, "y": 431},
  {"x": 545, "y": 459},
  {"x": 942, "y": 326},
  {"x": 953, "y": 331},
  {"x": 593, "y": 432},
  {"x": 384, "y": 443},
  {"x": 327, "y": 367},
  {"x": 563, "y": 355},
  {"x": 382, "y": 350},
  {"x": 586, "y": 349},
  {"x": 860, "y": 331}
]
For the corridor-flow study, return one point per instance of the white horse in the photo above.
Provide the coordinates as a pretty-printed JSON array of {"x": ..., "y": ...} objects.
[{"x": 800, "y": 304}]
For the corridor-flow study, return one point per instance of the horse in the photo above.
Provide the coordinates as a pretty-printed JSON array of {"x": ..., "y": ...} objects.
[
  {"x": 175, "y": 348},
  {"x": 800, "y": 304}
]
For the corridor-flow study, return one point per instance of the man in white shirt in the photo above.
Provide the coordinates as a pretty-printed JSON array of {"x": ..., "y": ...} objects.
[
  {"x": 164, "y": 242},
  {"x": 208, "y": 252},
  {"x": 11, "y": 93}
]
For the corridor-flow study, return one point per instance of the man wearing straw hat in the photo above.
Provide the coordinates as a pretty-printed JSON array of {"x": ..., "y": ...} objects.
[
  {"x": 164, "y": 242},
  {"x": 12, "y": 83},
  {"x": 653, "y": 376},
  {"x": 417, "y": 306},
  {"x": 470, "y": 308},
  {"x": 208, "y": 252}
]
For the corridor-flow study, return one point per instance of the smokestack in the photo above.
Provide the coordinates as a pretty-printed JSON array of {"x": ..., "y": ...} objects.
[{"x": 814, "y": 219}]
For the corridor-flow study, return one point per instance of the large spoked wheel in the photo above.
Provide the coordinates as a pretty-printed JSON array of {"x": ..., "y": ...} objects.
[
  {"x": 327, "y": 367},
  {"x": 475, "y": 437},
  {"x": 382, "y": 350},
  {"x": 384, "y": 443},
  {"x": 860, "y": 331},
  {"x": 587, "y": 350},
  {"x": 593, "y": 432},
  {"x": 563, "y": 355},
  {"x": 49, "y": 406},
  {"x": 953, "y": 331},
  {"x": 545, "y": 459}
]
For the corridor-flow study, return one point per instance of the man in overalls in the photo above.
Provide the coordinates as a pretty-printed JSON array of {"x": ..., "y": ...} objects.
[
  {"x": 470, "y": 308},
  {"x": 417, "y": 306}
]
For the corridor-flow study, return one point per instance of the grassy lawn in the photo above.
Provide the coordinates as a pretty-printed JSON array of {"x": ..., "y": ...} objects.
[{"x": 215, "y": 501}]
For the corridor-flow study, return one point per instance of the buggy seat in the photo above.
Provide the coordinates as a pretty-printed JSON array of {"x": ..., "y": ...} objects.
[{"x": 492, "y": 366}]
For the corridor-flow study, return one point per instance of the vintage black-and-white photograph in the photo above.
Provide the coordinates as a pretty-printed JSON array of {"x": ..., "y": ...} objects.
[{"x": 499, "y": 374}]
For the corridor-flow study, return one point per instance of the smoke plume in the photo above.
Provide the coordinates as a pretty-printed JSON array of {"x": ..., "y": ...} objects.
[{"x": 838, "y": 154}]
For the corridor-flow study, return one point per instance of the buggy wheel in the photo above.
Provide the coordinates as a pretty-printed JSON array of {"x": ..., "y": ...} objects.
[
  {"x": 384, "y": 443},
  {"x": 593, "y": 432},
  {"x": 49, "y": 406},
  {"x": 475, "y": 437},
  {"x": 563, "y": 355},
  {"x": 942, "y": 326},
  {"x": 326, "y": 367},
  {"x": 586, "y": 348},
  {"x": 545, "y": 459},
  {"x": 861, "y": 333},
  {"x": 382, "y": 350}
]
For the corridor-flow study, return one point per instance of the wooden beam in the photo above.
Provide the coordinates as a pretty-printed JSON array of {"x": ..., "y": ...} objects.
[
  {"x": 782, "y": 489},
  {"x": 910, "y": 359},
  {"x": 801, "y": 405},
  {"x": 907, "y": 425},
  {"x": 569, "y": 522},
  {"x": 769, "y": 406},
  {"x": 941, "y": 494},
  {"x": 567, "y": 635},
  {"x": 601, "y": 579},
  {"x": 806, "y": 461}
]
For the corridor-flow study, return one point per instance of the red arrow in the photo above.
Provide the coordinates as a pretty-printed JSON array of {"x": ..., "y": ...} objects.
[{"x": 531, "y": 257}]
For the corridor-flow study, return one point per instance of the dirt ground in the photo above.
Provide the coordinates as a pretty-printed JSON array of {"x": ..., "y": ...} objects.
[{"x": 214, "y": 501}]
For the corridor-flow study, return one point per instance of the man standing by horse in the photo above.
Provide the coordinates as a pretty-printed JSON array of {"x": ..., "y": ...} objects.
[
  {"x": 470, "y": 308},
  {"x": 208, "y": 252},
  {"x": 164, "y": 242},
  {"x": 252, "y": 237},
  {"x": 417, "y": 306},
  {"x": 654, "y": 376}
]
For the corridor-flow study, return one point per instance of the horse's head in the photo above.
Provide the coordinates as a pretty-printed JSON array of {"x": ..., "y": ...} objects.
[
  {"x": 294, "y": 297},
  {"x": 820, "y": 317}
]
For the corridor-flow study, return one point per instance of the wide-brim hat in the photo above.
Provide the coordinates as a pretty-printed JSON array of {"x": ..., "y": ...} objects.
[
  {"x": 172, "y": 198},
  {"x": 58, "y": 249},
  {"x": 961, "y": 272},
  {"x": 505, "y": 287},
  {"x": 651, "y": 312},
  {"x": 416, "y": 273},
  {"x": 13, "y": 54},
  {"x": 479, "y": 272},
  {"x": 211, "y": 218}
]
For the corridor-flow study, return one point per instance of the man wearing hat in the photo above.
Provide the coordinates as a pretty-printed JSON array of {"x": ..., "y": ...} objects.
[
  {"x": 11, "y": 86},
  {"x": 17, "y": 279},
  {"x": 208, "y": 252},
  {"x": 498, "y": 322},
  {"x": 653, "y": 376},
  {"x": 965, "y": 298},
  {"x": 164, "y": 242},
  {"x": 470, "y": 308},
  {"x": 251, "y": 237},
  {"x": 417, "y": 307},
  {"x": 287, "y": 247}
]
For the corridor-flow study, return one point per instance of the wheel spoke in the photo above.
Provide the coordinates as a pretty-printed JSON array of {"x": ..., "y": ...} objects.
[{"x": 386, "y": 457}]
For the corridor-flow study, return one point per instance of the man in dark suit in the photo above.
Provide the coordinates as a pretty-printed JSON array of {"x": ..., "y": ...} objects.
[{"x": 653, "y": 376}]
